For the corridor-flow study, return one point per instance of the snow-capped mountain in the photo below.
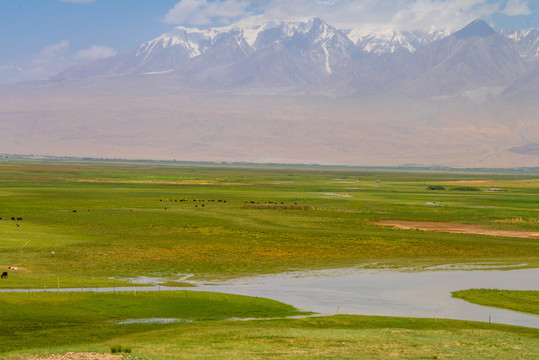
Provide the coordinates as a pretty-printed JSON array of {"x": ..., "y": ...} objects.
[{"x": 316, "y": 55}]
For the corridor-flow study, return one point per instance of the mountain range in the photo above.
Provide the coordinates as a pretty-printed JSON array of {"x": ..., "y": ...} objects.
[
  {"x": 293, "y": 92},
  {"x": 315, "y": 56}
]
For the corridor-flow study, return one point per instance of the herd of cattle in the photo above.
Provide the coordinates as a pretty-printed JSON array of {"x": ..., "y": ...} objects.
[
  {"x": 194, "y": 200},
  {"x": 18, "y": 218}
]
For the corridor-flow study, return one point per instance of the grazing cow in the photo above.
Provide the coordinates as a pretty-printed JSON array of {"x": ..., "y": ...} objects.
[
  {"x": 17, "y": 225},
  {"x": 53, "y": 253},
  {"x": 19, "y": 218},
  {"x": 12, "y": 218},
  {"x": 4, "y": 274},
  {"x": 74, "y": 211}
]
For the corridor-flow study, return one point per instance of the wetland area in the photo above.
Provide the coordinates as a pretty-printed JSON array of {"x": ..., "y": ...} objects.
[{"x": 375, "y": 261}]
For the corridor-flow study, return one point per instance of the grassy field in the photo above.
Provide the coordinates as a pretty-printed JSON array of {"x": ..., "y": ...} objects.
[
  {"x": 523, "y": 301},
  {"x": 35, "y": 320},
  {"x": 109, "y": 223},
  {"x": 41, "y": 324},
  {"x": 130, "y": 220}
]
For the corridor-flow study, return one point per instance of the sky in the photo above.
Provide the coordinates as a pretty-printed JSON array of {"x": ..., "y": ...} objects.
[{"x": 39, "y": 38}]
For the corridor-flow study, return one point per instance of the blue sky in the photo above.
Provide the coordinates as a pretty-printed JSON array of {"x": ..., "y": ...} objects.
[{"x": 41, "y": 37}]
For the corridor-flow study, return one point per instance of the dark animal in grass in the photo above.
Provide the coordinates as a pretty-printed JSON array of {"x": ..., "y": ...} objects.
[
  {"x": 12, "y": 218},
  {"x": 4, "y": 274},
  {"x": 19, "y": 218},
  {"x": 74, "y": 211}
]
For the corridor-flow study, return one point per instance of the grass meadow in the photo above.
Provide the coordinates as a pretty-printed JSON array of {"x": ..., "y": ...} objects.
[
  {"x": 111, "y": 222},
  {"x": 518, "y": 300}
]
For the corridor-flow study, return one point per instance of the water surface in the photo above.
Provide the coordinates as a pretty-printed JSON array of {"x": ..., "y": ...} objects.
[{"x": 389, "y": 293}]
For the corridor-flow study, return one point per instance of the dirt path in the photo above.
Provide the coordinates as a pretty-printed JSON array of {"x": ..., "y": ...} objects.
[{"x": 456, "y": 228}]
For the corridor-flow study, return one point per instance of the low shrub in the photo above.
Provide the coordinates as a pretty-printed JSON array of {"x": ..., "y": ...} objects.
[
  {"x": 119, "y": 349},
  {"x": 435, "y": 187},
  {"x": 466, "y": 188}
]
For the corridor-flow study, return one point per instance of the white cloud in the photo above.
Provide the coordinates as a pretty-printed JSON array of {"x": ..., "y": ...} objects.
[
  {"x": 50, "y": 61},
  {"x": 204, "y": 12},
  {"x": 517, "y": 7},
  {"x": 94, "y": 52},
  {"x": 441, "y": 14},
  {"x": 445, "y": 15}
]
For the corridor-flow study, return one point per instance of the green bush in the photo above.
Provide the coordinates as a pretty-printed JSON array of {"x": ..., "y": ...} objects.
[
  {"x": 119, "y": 349},
  {"x": 435, "y": 187}
]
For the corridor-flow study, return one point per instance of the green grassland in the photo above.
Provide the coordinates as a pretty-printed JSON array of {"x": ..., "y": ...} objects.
[
  {"x": 124, "y": 226},
  {"x": 518, "y": 300},
  {"x": 34, "y": 320},
  {"x": 130, "y": 221},
  {"x": 40, "y": 324}
]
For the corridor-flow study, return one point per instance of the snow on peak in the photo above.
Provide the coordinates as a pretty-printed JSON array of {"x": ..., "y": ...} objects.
[
  {"x": 246, "y": 33},
  {"x": 389, "y": 41},
  {"x": 526, "y": 41}
]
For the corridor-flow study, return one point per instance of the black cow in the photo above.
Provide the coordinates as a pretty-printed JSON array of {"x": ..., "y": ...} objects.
[{"x": 4, "y": 274}]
